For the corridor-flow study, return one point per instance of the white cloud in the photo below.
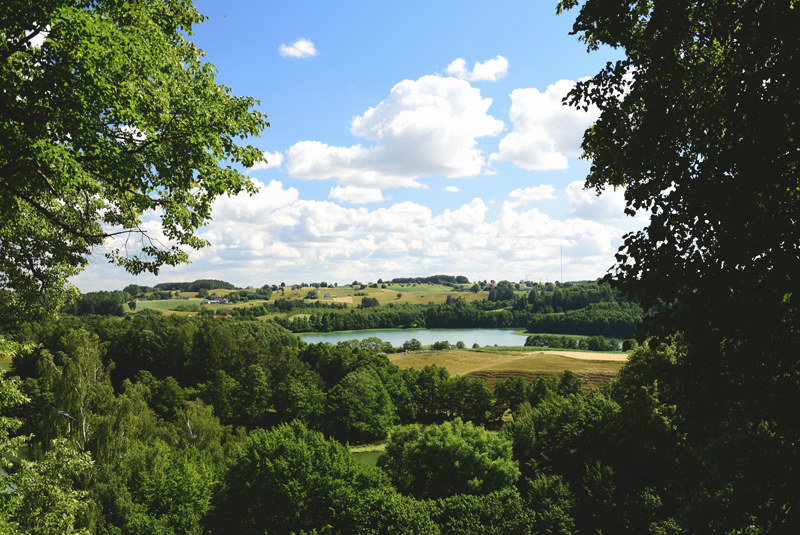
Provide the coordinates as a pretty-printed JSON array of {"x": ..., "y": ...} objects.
[
  {"x": 276, "y": 236},
  {"x": 536, "y": 193},
  {"x": 302, "y": 48},
  {"x": 424, "y": 127},
  {"x": 38, "y": 39},
  {"x": 546, "y": 132},
  {"x": 588, "y": 205},
  {"x": 274, "y": 160},
  {"x": 356, "y": 195},
  {"x": 491, "y": 70},
  {"x": 255, "y": 208},
  {"x": 452, "y": 189}
]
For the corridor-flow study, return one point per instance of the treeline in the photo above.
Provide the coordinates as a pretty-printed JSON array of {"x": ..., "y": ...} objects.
[
  {"x": 200, "y": 284},
  {"x": 590, "y": 343},
  {"x": 214, "y": 360},
  {"x": 611, "y": 319},
  {"x": 435, "y": 279},
  {"x": 100, "y": 303}
]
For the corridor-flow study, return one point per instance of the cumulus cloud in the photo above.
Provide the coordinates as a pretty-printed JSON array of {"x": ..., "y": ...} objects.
[
  {"x": 275, "y": 235},
  {"x": 452, "y": 189},
  {"x": 274, "y": 160},
  {"x": 546, "y": 132},
  {"x": 245, "y": 208},
  {"x": 587, "y": 204},
  {"x": 302, "y": 48},
  {"x": 536, "y": 193},
  {"x": 491, "y": 70},
  {"x": 424, "y": 127},
  {"x": 356, "y": 195}
]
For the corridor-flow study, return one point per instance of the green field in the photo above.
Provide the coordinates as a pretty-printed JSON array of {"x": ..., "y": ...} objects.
[{"x": 411, "y": 294}]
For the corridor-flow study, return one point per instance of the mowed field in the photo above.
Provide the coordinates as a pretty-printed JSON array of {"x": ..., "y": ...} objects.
[{"x": 492, "y": 366}]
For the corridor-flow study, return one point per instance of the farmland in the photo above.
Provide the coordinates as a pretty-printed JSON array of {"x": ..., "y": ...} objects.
[
  {"x": 492, "y": 366},
  {"x": 416, "y": 294}
]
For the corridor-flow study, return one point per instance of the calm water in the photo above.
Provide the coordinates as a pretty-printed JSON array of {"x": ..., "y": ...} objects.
[{"x": 484, "y": 337}]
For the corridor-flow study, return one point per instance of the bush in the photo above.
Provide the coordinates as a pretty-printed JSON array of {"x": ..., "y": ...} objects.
[
  {"x": 412, "y": 345},
  {"x": 369, "y": 302}
]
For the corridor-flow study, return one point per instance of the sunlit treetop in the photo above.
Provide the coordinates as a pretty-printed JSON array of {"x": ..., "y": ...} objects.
[{"x": 108, "y": 115}]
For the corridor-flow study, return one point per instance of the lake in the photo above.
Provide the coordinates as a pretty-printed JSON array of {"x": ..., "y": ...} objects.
[{"x": 483, "y": 337}]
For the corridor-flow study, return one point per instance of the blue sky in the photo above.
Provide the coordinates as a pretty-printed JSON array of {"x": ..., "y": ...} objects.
[{"x": 407, "y": 139}]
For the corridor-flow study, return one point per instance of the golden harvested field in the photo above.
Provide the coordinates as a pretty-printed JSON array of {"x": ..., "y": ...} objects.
[{"x": 492, "y": 366}]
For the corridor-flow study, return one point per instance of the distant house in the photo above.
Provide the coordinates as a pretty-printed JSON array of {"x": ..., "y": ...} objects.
[
  {"x": 215, "y": 299},
  {"x": 328, "y": 295}
]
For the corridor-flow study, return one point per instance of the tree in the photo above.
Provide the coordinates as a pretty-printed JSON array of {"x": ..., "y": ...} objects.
[
  {"x": 80, "y": 390},
  {"x": 108, "y": 113},
  {"x": 503, "y": 292},
  {"x": 359, "y": 408},
  {"x": 448, "y": 459},
  {"x": 700, "y": 124},
  {"x": 290, "y": 479},
  {"x": 510, "y": 394},
  {"x": 412, "y": 345},
  {"x": 369, "y": 302},
  {"x": 44, "y": 499}
]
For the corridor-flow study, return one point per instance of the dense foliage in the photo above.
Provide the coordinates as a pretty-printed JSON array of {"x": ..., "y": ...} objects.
[
  {"x": 112, "y": 116},
  {"x": 586, "y": 309},
  {"x": 699, "y": 124},
  {"x": 435, "y": 279}
]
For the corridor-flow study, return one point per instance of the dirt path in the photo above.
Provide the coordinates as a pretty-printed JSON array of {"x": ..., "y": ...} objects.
[
  {"x": 347, "y": 299},
  {"x": 585, "y": 355}
]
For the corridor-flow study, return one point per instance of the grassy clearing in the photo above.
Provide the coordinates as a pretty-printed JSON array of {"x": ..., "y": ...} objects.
[
  {"x": 166, "y": 305},
  {"x": 372, "y": 446},
  {"x": 492, "y": 366}
]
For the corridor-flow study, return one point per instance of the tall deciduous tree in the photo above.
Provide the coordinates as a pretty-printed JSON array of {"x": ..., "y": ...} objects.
[
  {"x": 43, "y": 500},
  {"x": 700, "y": 125},
  {"x": 448, "y": 459},
  {"x": 108, "y": 112}
]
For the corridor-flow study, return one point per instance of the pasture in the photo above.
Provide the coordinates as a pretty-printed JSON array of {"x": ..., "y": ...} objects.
[{"x": 411, "y": 293}]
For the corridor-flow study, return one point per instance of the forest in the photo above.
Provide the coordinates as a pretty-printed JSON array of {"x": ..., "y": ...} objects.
[
  {"x": 164, "y": 403},
  {"x": 149, "y": 423}
]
